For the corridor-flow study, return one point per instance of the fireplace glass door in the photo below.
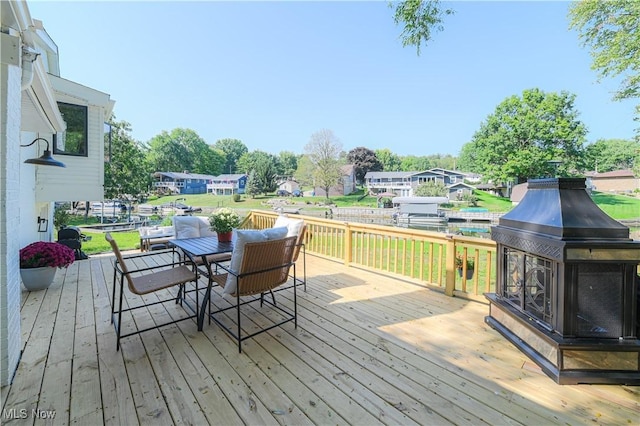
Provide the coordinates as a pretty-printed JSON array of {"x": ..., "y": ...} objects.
[{"x": 528, "y": 284}]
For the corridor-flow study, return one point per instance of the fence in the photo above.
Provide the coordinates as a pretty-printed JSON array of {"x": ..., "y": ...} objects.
[{"x": 431, "y": 258}]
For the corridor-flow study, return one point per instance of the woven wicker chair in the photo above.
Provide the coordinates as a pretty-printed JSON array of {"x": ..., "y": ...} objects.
[
  {"x": 147, "y": 280},
  {"x": 265, "y": 266}
]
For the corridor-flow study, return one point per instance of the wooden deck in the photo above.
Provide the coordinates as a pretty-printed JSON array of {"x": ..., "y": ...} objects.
[{"x": 369, "y": 349}]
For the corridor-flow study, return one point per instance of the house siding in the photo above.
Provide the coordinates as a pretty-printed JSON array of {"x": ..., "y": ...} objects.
[
  {"x": 83, "y": 178},
  {"x": 10, "y": 117}
]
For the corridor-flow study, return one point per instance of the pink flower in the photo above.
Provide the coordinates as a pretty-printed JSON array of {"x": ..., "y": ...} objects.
[{"x": 42, "y": 253}]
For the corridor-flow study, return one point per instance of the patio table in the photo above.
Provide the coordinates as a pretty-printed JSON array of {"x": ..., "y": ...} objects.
[{"x": 202, "y": 247}]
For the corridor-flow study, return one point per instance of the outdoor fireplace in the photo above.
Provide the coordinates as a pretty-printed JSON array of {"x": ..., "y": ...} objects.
[{"x": 566, "y": 292}]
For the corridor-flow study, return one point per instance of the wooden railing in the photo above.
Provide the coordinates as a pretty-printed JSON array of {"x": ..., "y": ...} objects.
[{"x": 427, "y": 257}]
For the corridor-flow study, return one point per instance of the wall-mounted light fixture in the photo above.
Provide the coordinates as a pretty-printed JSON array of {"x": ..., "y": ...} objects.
[
  {"x": 43, "y": 224},
  {"x": 46, "y": 159}
]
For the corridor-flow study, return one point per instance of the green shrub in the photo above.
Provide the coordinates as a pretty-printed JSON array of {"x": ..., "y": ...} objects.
[{"x": 236, "y": 197}]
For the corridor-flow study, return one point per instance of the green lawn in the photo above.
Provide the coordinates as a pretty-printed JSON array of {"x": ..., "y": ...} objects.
[{"x": 618, "y": 206}]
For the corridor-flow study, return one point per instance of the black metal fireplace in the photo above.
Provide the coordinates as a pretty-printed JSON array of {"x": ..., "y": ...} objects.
[{"x": 566, "y": 291}]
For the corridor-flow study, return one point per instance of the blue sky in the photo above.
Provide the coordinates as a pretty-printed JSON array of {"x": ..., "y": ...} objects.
[{"x": 273, "y": 73}]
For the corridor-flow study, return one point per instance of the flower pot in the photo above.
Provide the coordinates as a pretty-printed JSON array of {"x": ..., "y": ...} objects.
[
  {"x": 35, "y": 279},
  {"x": 225, "y": 237},
  {"x": 469, "y": 273}
]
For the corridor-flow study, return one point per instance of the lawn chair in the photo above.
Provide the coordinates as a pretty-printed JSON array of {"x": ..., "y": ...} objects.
[
  {"x": 265, "y": 266},
  {"x": 148, "y": 280}
]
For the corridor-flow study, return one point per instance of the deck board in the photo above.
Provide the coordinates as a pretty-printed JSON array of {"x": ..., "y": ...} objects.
[{"x": 369, "y": 349}]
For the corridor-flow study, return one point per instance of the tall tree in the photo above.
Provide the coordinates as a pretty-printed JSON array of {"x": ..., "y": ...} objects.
[
  {"x": 612, "y": 154},
  {"x": 127, "y": 175},
  {"x": 323, "y": 150},
  {"x": 432, "y": 189},
  {"x": 524, "y": 134},
  {"x": 288, "y": 163},
  {"x": 265, "y": 173},
  {"x": 249, "y": 160},
  {"x": 411, "y": 163},
  {"x": 364, "y": 160},
  {"x": 390, "y": 161},
  {"x": 182, "y": 150},
  {"x": 612, "y": 31},
  {"x": 233, "y": 149}
]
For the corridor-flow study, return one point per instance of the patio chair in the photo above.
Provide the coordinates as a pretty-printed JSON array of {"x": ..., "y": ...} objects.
[
  {"x": 145, "y": 280},
  {"x": 296, "y": 228},
  {"x": 265, "y": 266}
]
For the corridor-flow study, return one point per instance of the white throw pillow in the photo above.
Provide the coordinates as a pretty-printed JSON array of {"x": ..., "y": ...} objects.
[
  {"x": 205, "y": 227},
  {"x": 244, "y": 236},
  {"x": 186, "y": 227},
  {"x": 294, "y": 226}
]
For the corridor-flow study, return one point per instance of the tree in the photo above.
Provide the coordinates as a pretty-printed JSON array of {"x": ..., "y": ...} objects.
[
  {"x": 265, "y": 172},
  {"x": 432, "y": 189},
  {"x": 611, "y": 29},
  {"x": 304, "y": 172},
  {"x": 252, "y": 187},
  {"x": 127, "y": 175},
  {"x": 233, "y": 149},
  {"x": 519, "y": 139},
  {"x": 390, "y": 161},
  {"x": 288, "y": 163},
  {"x": 249, "y": 160},
  {"x": 419, "y": 19},
  {"x": 612, "y": 154},
  {"x": 364, "y": 160},
  {"x": 323, "y": 151},
  {"x": 411, "y": 163},
  {"x": 181, "y": 150}
]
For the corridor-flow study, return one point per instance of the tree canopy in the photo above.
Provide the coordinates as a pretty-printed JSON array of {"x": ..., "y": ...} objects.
[
  {"x": 323, "y": 151},
  {"x": 127, "y": 174},
  {"x": 390, "y": 161},
  {"x": 364, "y": 160},
  {"x": 612, "y": 30},
  {"x": 233, "y": 149},
  {"x": 612, "y": 154},
  {"x": 183, "y": 150},
  {"x": 524, "y": 134},
  {"x": 419, "y": 19}
]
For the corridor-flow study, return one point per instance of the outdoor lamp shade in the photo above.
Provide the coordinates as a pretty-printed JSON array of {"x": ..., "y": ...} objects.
[{"x": 46, "y": 159}]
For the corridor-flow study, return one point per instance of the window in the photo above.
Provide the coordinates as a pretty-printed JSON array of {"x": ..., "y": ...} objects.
[{"x": 74, "y": 140}]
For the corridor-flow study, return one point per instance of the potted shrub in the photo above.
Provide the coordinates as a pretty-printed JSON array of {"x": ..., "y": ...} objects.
[
  {"x": 470, "y": 266},
  {"x": 39, "y": 262},
  {"x": 223, "y": 221}
]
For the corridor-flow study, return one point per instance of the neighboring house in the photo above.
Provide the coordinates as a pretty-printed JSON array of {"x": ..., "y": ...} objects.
[
  {"x": 346, "y": 186},
  {"x": 182, "y": 183},
  {"x": 35, "y": 101},
  {"x": 228, "y": 184},
  {"x": 457, "y": 191},
  {"x": 404, "y": 184},
  {"x": 289, "y": 185},
  {"x": 615, "y": 181}
]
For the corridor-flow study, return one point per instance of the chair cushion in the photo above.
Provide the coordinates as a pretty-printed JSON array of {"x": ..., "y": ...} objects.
[
  {"x": 294, "y": 226},
  {"x": 186, "y": 227},
  {"x": 244, "y": 236}
]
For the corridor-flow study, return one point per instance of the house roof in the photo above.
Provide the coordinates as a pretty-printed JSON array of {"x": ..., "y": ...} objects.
[
  {"x": 386, "y": 175},
  {"x": 177, "y": 175},
  {"x": 230, "y": 176},
  {"x": 613, "y": 174}
]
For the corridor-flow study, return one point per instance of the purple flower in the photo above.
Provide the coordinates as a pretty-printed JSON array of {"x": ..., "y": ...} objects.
[{"x": 42, "y": 253}]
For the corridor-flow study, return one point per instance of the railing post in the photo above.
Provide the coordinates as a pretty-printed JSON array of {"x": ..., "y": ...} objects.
[
  {"x": 348, "y": 252},
  {"x": 450, "y": 264}
]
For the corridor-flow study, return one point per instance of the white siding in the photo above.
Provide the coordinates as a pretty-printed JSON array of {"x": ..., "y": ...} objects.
[{"x": 10, "y": 338}]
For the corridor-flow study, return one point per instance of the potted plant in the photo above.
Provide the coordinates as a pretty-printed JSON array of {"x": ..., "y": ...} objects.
[
  {"x": 470, "y": 266},
  {"x": 39, "y": 262},
  {"x": 223, "y": 221}
]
